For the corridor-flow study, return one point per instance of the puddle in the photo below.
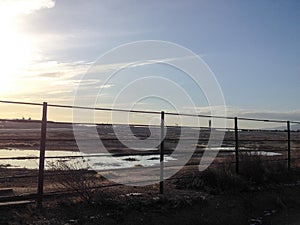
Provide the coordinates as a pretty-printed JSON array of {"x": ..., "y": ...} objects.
[{"x": 28, "y": 159}]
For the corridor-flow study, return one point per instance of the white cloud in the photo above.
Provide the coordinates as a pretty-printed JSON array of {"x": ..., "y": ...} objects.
[
  {"x": 105, "y": 86},
  {"x": 19, "y": 7},
  {"x": 49, "y": 80},
  {"x": 129, "y": 64},
  {"x": 261, "y": 114},
  {"x": 55, "y": 69},
  {"x": 293, "y": 115}
]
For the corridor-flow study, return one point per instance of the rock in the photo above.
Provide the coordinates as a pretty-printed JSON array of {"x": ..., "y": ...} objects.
[
  {"x": 255, "y": 222},
  {"x": 133, "y": 194},
  {"x": 73, "y": 221}
]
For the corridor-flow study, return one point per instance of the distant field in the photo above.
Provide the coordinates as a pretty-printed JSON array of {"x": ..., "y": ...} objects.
[{"x": 60, "y": 136}]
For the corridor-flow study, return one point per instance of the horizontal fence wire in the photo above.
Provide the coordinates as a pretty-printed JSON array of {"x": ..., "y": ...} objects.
[{"x": 147, "y": 112}]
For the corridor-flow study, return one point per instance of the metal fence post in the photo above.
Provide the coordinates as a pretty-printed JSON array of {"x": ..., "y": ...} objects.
[
  {"x": 236, "y": 133},
  {"x": 42, "y": 157},
  {"x": 289, "y": 144},
  {"x": 162, "y": 127}
]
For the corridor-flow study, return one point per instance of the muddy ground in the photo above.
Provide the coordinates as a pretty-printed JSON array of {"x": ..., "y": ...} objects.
[{"x": 277, "y": 205}]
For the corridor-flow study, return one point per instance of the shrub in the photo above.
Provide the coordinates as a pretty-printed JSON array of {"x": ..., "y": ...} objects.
[
  {"x": 214, "y": 180},
  {"x": 258, "y": 170},
  {"x": 75, "y": 177},
  {"x": 253, "y": 168}
]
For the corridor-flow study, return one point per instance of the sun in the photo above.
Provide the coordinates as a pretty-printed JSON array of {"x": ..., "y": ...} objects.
[
  {"x": 18, "y": 46},
  {"x": 14, "y": 55},
  {"x": 7, "y": 67}
]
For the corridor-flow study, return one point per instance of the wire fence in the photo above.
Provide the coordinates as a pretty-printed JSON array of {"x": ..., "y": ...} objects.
[{"x": 273, "y": 145}]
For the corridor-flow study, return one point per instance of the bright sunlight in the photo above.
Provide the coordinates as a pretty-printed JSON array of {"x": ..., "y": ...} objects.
[
  {"x": 14, "y": 55},
  {"x": 16, "y": 49}
]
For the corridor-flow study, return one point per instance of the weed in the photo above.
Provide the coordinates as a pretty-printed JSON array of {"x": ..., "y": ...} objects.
[{"x": 75, "y": 177}]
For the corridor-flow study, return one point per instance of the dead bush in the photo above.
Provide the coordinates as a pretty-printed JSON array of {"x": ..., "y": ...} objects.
[{"x": 75, "y": 177}]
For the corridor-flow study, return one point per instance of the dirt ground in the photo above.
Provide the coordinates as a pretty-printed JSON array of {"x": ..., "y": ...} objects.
[{"x": 276, "y": 205}]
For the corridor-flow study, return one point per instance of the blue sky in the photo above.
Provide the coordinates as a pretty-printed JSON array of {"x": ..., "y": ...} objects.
[{"x": 253, "y": 47}]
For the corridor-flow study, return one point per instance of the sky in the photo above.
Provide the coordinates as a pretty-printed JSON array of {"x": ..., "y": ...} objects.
[{"x": 252, "y": 47}]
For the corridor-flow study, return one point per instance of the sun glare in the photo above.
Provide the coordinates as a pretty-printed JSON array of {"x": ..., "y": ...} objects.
[{"x": 15, "y": 52}]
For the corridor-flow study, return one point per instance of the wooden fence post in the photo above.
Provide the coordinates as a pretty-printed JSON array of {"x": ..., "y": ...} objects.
[
  {"x": 42, "y": 157},
  {"x": 236, "y": 132},
  {"x": 162, "y": 134}
]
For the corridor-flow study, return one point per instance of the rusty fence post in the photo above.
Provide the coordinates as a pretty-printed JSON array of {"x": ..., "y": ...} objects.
[
  {"x": 42, "y": 157},
  {"x": 289, "y": 144},
  {"x": 236, "y": 135},
  {"x": 162, "y": 134}
]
